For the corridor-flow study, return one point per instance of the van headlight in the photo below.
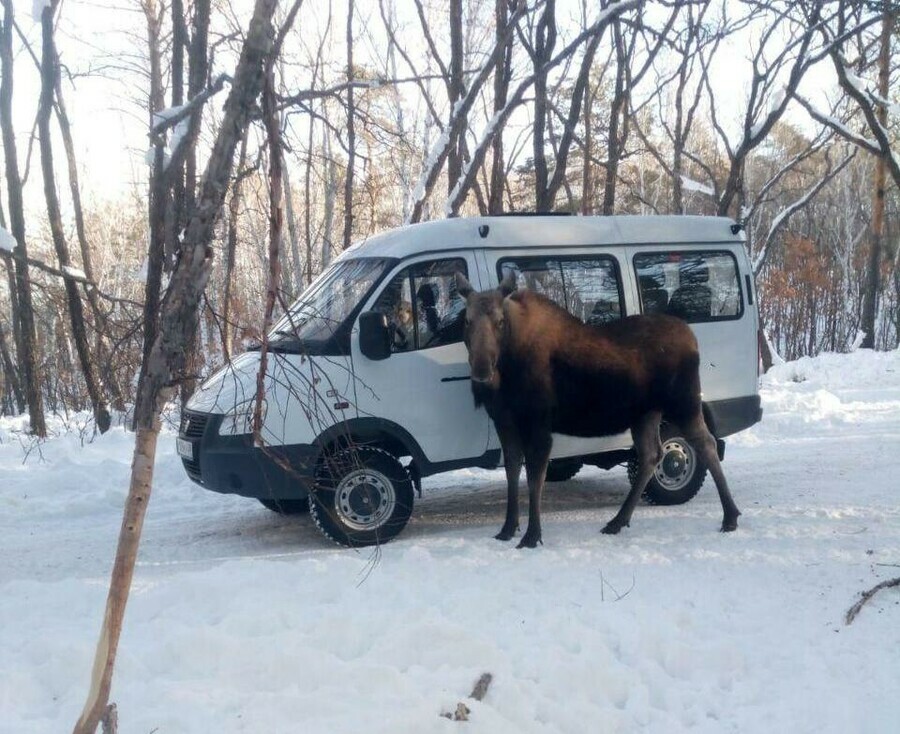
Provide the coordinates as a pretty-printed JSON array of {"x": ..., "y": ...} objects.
[{"x": 237, "y": 423}]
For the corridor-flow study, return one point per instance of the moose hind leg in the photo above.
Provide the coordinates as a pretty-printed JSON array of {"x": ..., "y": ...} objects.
[
  {"x": 537, "y": 456},
  {"x": 646, "y": 442},
  {"x": 704, "y": 444}
]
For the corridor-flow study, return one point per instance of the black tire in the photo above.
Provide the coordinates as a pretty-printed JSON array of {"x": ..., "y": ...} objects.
[
  {"x": 678, "y": 476},
  {"x": 561, "y": 470},
  {"x": 286, "y": 507},
  {"x": 349, "y": 484}
]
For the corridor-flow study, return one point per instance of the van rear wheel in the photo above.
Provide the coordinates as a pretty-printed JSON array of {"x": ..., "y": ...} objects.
[
  {"x": 363, "y": 496},
  {"x": 678, "y": 475}
]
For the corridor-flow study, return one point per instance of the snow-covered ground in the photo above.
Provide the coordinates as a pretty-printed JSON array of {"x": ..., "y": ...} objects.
[{"x": 242, "y": 621}]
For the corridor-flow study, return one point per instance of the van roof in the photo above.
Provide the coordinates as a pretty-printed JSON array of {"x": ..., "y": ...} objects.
[{"x": 543, "y": 231}]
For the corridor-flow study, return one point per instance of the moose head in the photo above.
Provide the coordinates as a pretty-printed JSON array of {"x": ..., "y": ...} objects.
[{"x": 485, "y": 327}]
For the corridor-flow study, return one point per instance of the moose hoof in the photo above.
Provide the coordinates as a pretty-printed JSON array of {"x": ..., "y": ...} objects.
[
  {"x": 613, "y": 527},
  {"x": 729, "y": 524},
  {"x": 530, "y": 541},
  {"x": 505, "y": 534}
]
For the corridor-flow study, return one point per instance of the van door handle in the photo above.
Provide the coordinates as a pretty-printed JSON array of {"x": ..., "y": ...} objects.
[{"x": 456, "y": 379}]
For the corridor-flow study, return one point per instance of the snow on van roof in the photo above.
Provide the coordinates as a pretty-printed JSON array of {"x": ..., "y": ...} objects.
[{"x": 543, "y": 231}]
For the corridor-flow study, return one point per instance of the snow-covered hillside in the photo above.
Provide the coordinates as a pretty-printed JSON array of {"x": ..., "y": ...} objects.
[{"x": 242, "y": 621}]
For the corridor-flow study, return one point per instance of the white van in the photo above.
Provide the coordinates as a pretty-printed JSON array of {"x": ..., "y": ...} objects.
[{"x": 368, "y": 391}]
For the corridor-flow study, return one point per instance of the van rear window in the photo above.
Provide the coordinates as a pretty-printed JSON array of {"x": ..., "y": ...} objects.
[
  {"x": 587, "y": 287},
  {"x": 696, "y": 286}
]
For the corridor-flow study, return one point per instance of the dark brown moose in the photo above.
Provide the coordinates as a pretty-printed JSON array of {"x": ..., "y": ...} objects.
[{"x": 538, "y": 370}]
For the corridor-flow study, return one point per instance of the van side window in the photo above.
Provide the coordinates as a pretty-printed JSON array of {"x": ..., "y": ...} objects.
[
  {"x": 695, "y": 286},
  {"x": 587, "y": 287},
  {"x": 423, "y": 307}
]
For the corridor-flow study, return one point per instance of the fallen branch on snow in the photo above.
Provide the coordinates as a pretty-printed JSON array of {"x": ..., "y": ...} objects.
[
  {"x": 478, "y": 693},
  {"x": 866, "y": 595}
]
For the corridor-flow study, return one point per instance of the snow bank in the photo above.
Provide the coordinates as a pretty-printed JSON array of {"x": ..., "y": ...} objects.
[{"x": 243, "y": 621}]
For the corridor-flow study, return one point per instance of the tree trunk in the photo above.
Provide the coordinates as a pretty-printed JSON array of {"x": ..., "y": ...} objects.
[
  {"x": 27, "y": 347},
  {"x": 615, "y": 118},
  {"x": 876, "y": 246},
  {"x": 501, "y": 90},
  {"x": 545, "y": 40},
  {"x": 276, "y": 224},
  {"x": 351, "y": 134},
  {"x": 73, "y": 297},
  {"x": 234, "y": 208},
  {"x": 198, "y": 72},
  {"x": 158, "y": 204},
  {"x": 101, "y": 326},
  {"x": 455, "y": 91},
  {"x": 167, "y": 359},
  {"x": 9, "y": 370},
  {"x": 331, "y": 185}
]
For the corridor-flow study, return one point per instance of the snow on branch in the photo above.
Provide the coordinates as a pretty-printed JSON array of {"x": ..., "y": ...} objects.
[
  {"x": 171, "y": 116},
  {"x": 785, "y": 214},
  {"x": 688, "y": 184},
  {"x": 839, "y": 127},
  {"x": 8, "y": 243},
  {"x": 74, "y": 273},
  {"x": 439, "y": 151},
  {"x": 867, "y": 104},
  {"x": 38, "y": 7}
]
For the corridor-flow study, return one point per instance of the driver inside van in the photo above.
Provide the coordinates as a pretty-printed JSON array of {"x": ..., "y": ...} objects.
[{"x": 400, "y": 320}]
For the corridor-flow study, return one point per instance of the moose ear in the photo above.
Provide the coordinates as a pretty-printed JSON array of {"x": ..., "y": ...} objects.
[
  {"x": 508, "y": 284},
  {"x": 463, "y": 286}
]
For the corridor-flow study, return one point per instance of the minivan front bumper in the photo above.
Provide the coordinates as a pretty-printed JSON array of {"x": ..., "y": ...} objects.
[{"x": 233, "y": 465}]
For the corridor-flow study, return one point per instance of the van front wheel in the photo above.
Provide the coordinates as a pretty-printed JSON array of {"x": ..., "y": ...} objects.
[
  {"x": 285, "y": 507},
  {"x": 679, "y": 474},
  {"x": 363, "y": 496}
]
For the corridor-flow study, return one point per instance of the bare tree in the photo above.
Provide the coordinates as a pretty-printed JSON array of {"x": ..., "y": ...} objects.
[
  {"x": 26, "y": 348},
  {"x": 167, "y": 358},
  {"x": 49, "y": 72}
]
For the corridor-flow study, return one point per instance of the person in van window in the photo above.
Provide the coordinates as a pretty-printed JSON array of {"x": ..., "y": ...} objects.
[{"x": 401, "y": 325}]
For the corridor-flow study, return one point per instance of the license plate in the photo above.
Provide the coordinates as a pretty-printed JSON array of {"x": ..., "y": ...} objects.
[{"x": 184, "y": 448}]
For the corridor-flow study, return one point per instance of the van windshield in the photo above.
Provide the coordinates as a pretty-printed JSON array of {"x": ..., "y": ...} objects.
[{"x": 329, "y": 300}]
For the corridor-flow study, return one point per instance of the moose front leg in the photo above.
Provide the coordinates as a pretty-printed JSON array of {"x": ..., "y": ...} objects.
[
  {"x": 537, "y": 456},
  {"x": 512, "y": 462}
]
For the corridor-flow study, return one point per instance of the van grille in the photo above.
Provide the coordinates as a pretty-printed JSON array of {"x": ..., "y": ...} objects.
[
  {"x": 193, "y": 470},
  {"x": 193, "y": 424}
]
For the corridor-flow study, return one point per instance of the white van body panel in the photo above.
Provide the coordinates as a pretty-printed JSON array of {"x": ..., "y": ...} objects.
[
  {"x": 302, "y": 395},
  {"x": 426, "y": 391}
]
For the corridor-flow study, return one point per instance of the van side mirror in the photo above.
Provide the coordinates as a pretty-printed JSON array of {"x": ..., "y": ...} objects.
[{"x": 374, "y": 335}]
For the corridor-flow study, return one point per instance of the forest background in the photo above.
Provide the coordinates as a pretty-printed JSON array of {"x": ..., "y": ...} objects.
[{"x": 780, "y": 114}]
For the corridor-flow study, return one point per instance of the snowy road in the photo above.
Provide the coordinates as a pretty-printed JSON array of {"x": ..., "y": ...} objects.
[{"x": 242, "y": 621}]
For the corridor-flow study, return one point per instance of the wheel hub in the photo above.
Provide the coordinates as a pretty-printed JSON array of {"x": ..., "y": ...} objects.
[
  {"x": 364, "y": 499},
  {"x": 677, "y": 465}
]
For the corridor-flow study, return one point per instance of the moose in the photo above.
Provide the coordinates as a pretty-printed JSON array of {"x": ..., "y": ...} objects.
[{"x": 538, "y": 370}]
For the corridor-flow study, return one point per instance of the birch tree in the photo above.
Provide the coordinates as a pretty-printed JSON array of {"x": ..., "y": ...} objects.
[{"x": 178, "y": 321}]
